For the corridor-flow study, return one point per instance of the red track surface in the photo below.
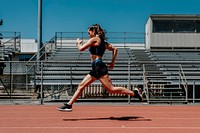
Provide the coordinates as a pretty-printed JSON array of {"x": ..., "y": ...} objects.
[{"x": 100, "y": 119}]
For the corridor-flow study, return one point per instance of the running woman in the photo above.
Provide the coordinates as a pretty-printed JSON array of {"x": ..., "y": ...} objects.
[{"x": 97, "y": 46}]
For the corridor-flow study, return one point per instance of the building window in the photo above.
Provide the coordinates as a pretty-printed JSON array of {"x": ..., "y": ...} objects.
[
  {"x": 198, "y": 26},
  {"x": 163, "y": 26},
  {"x": 184, "y": 26},
  {"x": 176, "y": 26}
]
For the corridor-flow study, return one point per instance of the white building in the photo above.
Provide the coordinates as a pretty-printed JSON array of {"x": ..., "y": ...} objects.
[
  {"x": 28, "y": 48},
  {"x": 173, "y": 31}
]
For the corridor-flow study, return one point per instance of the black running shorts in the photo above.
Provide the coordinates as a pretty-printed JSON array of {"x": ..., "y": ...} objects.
[{"x": 99, "y": 69}]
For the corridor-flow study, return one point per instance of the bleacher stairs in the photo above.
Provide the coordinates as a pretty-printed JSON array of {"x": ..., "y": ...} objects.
[
  {"x": 71, "y": 67},
  {"x": 168, "y": 82},
  {"x": 158, "y": 87}
]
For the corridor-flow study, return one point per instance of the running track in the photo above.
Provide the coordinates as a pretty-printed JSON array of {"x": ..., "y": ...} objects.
[{"x": 100, "y": 118}]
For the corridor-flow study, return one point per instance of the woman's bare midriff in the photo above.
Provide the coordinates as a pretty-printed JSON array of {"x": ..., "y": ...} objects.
[{"x": 95, "y": 57}]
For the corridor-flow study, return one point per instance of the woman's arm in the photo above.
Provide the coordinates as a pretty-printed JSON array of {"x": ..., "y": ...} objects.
[
  {"x": 91, "y": 42},
  {"x": 114, "y": 54}
]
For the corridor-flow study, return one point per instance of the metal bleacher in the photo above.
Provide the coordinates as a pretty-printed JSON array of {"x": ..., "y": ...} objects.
[
  {"x": 175, "y": 71},
  {"x": 78, "y": 64},
  {"x": 188, "y": 59},
  {"x": 163, "y": 74},
  {"x": 65, "y": 67},
  {"x": 9, "y": 47}
]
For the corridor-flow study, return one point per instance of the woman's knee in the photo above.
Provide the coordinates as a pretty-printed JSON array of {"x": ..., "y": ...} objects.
[
  {"x": 80, "y": 87},
  {"x": 111, "y": 90}
]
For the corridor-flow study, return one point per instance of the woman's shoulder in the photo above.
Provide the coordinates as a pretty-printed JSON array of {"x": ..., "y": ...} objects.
[
  {"x": 94, "y": 41},
  {"x": 96, "y": 38}
]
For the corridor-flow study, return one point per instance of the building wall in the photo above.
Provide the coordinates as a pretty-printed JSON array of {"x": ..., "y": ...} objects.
[
  {"x": 29, "y": 46},
  {"x": 175, "y": 40},
  {"x": 171, "y": 40},
  {"x": 148, "y": 33}
]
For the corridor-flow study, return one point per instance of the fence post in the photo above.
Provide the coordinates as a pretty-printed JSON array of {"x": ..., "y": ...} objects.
[
  {"x": 10, "y": 78},
  {"x": 124, "y": 39},
  {"x": 41, "y": 86},
  {"x": 145, "y": 84},
  {"x": 15, "y": 42},
  {"x": 55, "y": 41},
  {"x": 193, "y": 95},
  {"x": 129, "y": 78},
  {"x": 61, "y": 39},
  {"x": 71, "y": 86},
  {"x": 26, "y": 76}
]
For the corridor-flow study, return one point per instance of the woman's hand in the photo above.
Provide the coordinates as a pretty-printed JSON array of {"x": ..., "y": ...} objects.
[
  {"x": 78, "y": 41},
  {"x": 111, "y": 66}
]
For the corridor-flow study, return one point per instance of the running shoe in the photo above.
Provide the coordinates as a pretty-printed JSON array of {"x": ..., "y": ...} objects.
[
  {"x": 137, "y": 95},
  {"x": 65, "y": 107}
]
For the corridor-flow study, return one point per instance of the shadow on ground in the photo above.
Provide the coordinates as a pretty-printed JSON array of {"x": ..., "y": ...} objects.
[{"x": 123, "y": 118}]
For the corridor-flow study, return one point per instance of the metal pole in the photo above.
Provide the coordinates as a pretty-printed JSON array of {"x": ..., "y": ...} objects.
[
  {"x": 41, "y": 87},
  {"x": 39, "y": 46},
  {"x": 15, "y": 42},
  {"x": 71, "y": 87},
  {"x": 129, "y": 78},
  {"x": 193, "y": 96},
  {"x": 56, "y": 39},
  {"x": 10, "y": 79},
  {"x": 39, "y": 27},
  {"x": 26, "y": 76}
]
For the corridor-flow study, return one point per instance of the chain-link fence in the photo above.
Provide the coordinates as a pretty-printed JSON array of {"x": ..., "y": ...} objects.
[
  {"x": 57, "y": 81},
  {"x": 13, "y": 82}
]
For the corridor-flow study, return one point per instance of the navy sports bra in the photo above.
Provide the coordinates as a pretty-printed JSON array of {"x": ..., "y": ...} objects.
[{"x": 98, "y": 50}]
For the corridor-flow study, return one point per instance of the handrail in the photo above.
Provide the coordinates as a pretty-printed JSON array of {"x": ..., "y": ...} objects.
[
  {"x": 35, "y": 55},
  {"x": 112, "y": 37},
  {"x": 145, "y": 83},
  {"x": 184, "y": 80},
  {"x": 43, "y": 47},
  {"x": 8, "y": 41},
  {"x": 118, "y": 37}
]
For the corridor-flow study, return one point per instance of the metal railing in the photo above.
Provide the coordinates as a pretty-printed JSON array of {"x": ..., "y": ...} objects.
[
  {"x": 11, "y": 40},
  {"x": 23, "y": 77},
  {"x": 63, "y": 38},
  {"x": 121, "y": 38},
  {"x": 145, "y": 83},
  {"x": 183, "y": 81},
  {"x": 44, "y": 50},
  {"x": 174, "y": 76},
  {"x": 35, "y": 72}
]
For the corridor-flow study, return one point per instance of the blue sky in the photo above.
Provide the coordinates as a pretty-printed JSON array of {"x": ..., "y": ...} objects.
[{"x": 77, "y": 15}]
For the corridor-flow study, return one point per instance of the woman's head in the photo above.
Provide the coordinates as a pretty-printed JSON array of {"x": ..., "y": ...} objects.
[{"x": 96, "y": 29}]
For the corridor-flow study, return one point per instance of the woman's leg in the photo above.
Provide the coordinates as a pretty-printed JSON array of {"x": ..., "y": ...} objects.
[
  {"x": 107, "y": 83},
  {"x": 85, "y": 82}
]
